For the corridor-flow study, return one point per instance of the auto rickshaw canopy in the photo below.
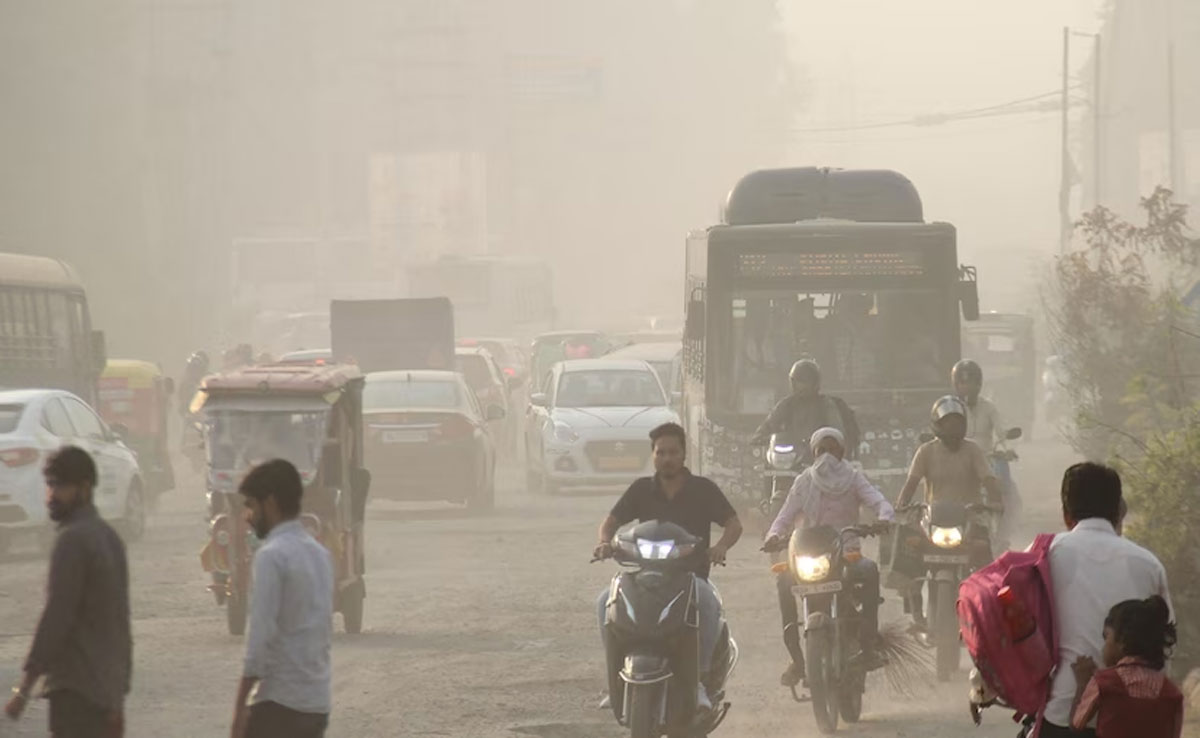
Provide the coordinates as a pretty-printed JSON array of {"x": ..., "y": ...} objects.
[{"x": 279, "y": 381}]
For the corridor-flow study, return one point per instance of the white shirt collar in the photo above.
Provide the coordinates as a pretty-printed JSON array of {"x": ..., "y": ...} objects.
[{"x": 1099, "y": 525}]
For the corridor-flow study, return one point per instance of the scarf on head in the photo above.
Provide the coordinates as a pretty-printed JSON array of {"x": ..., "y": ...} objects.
[{"x": 829, "y": 476}]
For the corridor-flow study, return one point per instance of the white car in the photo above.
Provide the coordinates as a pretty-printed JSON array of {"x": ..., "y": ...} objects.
[
  {"x": 589, "y": 424},
  {"x": 35, "y": 423}
]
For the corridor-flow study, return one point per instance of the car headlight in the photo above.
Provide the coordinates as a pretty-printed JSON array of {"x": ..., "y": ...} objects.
[
  {"x": 564, "y": 433},
  {"x": 945, "y": 537},
  {"x": 812, "y": 568},
  {"x": 781, "y": 457},
  {"x": 662, "y": 550}
]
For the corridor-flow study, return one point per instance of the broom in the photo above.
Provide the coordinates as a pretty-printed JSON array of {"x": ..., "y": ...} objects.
[{"x": 909, "y": 664}]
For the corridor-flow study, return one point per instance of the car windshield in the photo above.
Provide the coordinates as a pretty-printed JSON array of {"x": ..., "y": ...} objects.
[
  {"x": 238, "y": 440},
  {"x": 609, "y": 388},
  {"x": 474, "y": 367},
  {"x": 439, "y": 394},
  {"x": 10, "y": 416}
]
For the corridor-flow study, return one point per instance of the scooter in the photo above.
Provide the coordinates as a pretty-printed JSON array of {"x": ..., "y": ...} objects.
[
  {"x": 651, "y": 637},
  {"x": 786, "y": 458}
]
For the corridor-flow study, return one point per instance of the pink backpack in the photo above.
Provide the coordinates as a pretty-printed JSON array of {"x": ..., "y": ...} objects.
[{"x": 1019, "y": 670}]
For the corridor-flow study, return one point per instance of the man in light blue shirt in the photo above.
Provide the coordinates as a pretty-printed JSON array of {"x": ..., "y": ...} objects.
[{"x": 286, "y": 682}]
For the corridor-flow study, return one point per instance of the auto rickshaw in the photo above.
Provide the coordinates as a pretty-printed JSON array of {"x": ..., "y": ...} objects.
[
  {"x": 311, "y": 416},
  {"x": 134, "y": 398}
]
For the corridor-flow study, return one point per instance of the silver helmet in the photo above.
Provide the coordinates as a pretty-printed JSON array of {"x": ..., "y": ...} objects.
[{"x": 947, "y": 405}]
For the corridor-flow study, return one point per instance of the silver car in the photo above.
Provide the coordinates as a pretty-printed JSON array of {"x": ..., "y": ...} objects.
[{"x": 589, "y": 423}]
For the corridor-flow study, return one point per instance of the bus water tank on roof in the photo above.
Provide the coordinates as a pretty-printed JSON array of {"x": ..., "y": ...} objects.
[{"x": 808, "y": 193}]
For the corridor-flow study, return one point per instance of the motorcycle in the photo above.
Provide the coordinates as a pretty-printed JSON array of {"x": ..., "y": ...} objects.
[
  {"x": 651, "y": 637},
  {"x": 952, "y": 539},
  {"x": 1001, "y": 459},
  {"x": 786, "y": 458},
  {"x": 832, "y": 616}
]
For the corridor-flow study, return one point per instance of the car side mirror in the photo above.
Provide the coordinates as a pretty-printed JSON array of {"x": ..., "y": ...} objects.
[
  {"x": 694, "y": 327},
  {"x": 1012, "y": 434},
  {"x": 494, "y": 412},
  {"x": 539, "y": 399},
  {"x": 119, "y": 431}
]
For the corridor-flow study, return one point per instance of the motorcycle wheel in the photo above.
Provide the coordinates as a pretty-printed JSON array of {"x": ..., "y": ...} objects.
[
  {"x": 850, "y": 696},
  {"x": 822, "y": 682},
  {"x": 946, "y": 618},
  {"x": 235, "y": 614},
  {"x": 643, "y": 710}
]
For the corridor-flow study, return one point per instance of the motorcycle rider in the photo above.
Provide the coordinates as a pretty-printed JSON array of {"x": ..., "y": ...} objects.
[
  {"x": 986, "y": 429},
  {"x": 806, "y": 409},
  {"x": 804, "y": 412},
  {"x": 694, "y": 503},
  {"x": 193, "y": 373},
  {"x": 830, "y": 492},
  {"x": 952, "y": 467}
]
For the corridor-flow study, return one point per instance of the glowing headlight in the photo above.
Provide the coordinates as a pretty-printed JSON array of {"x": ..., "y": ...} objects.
[
  {"x": 564, "y": 433},
  {"x": 661, "y": 550},
  {"x": 812, "y": 568},
  {"x": 781, "y": 457},
  {"x": 945, "y": 537}
]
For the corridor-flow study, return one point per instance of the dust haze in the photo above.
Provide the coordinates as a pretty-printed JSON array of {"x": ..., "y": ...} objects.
[{"x": 205, "y": 163}]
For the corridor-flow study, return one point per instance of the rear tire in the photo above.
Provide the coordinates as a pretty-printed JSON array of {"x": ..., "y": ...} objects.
[
  {"x": 643, "y": 710},
  {"x": 484, "y": 497},
  {"x": 134, "y": 522},
  {"x": 822, "y": 682},
  {"x": 946, "y": 622}
]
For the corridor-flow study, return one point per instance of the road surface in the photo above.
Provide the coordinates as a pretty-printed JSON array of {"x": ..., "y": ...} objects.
[{"x": 475, "y": 626}]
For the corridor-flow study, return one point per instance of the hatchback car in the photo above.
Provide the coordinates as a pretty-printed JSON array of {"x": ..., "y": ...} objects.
[
  {"x": 35, "y": 423},
  {"x": 590, "y": 425},
  {"x": 427, "y": 438}
]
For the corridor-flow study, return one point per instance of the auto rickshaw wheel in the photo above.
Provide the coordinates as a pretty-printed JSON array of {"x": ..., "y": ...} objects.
[{"x": 352, "y": 607}]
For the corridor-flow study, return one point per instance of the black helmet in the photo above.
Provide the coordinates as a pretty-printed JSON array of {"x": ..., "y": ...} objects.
[
  {"x": 968, "y": 372},
  {"x": 805, "y": 370}
]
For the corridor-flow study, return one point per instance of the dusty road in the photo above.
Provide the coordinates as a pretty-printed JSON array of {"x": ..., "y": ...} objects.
[{"x": 475, "y": 626}]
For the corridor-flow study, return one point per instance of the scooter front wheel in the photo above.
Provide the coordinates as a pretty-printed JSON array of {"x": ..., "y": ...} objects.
[{"x": 644, "y": 710}]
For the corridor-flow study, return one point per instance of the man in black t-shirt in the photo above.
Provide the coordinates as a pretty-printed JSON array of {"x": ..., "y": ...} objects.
[{"x": 693, "y": 503}]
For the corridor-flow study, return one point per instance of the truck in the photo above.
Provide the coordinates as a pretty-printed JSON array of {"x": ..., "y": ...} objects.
[
  {"x": 838, "y": 266},
  {"x": 383, "y": 335}
]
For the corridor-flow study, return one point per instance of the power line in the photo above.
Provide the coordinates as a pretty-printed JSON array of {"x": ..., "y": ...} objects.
[{"x": 1043, "y": 103}]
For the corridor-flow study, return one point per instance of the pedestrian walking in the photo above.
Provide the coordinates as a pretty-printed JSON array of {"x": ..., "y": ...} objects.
[
  {"x": 285, "y": 690},
  {"x": 1131, "y": 697},
  {"x": 82, "y": 650},
  {"x": 1093, "y": 568}
]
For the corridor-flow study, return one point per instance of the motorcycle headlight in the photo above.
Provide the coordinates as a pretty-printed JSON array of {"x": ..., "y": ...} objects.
[
  {"x": 781, "y": 457},
  {"x": 812, "y": 568},
  {"x": 946, "y": 537},
  {"x": 662, "y": 550},
  {"x": 564, "y": 433}
]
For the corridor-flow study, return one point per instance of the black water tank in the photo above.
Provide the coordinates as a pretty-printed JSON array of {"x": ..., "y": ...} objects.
[{"x": 807, "y": 193}]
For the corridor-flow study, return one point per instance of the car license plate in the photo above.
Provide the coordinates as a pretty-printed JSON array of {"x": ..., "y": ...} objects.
[
  {"x": 945, "y": 559},
  {"x": 405, "y": 436},
  {"x": 803, "y": 590},
  {"x": 619, "y": 463}
]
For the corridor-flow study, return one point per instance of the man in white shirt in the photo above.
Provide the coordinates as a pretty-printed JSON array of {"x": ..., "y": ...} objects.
[
  {"x": 287, "y": 674},
  {"x": 1092, "y": 568}
]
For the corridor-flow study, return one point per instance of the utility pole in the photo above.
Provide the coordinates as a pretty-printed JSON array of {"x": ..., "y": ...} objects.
[
  {"x": 1174, "y": 163},
  {"x": 1064, "y": 188},
  {"x": 1098, "y": 128}
]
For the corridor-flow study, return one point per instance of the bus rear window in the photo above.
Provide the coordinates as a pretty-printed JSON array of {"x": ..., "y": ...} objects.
[{"x": 10, "y": 417}]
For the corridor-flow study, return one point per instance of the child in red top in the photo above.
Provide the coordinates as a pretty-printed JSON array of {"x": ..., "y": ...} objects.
[{"x": 1132, "y": 697}]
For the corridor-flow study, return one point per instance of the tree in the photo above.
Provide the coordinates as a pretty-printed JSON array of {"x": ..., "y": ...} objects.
[{"x": 1126, "y": 343}]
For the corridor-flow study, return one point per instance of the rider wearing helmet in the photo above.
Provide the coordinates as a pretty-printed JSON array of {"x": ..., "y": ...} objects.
[
  {"x": 806, "y": 410},
  {"x": 985, "y": 428},
  {"x": 983, "y": 418},
  {"x": 193, "y": 373},
  {"x": 952, "y": 467}
]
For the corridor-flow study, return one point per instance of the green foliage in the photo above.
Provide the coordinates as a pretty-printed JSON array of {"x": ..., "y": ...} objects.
[{"x": 1127, "y": 344}]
